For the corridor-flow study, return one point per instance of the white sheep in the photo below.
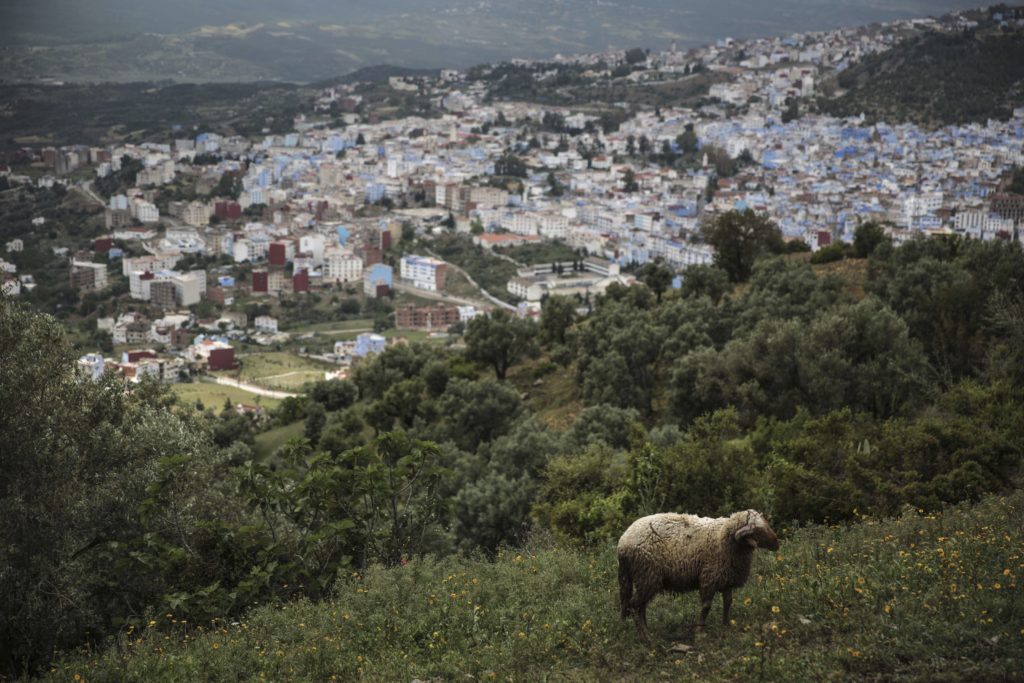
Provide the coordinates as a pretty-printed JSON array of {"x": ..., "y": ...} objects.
[{"x": 682, "y": 553}]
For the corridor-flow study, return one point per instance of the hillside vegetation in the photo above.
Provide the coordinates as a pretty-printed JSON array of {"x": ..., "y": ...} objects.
[
  {"x": 920, "y": 597},
  {"x": 817, "y": 394},
  {"x": 937, "y": 79}
]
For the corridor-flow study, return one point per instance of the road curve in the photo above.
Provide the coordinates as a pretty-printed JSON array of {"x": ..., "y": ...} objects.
[{"x": 251, "y": 388}]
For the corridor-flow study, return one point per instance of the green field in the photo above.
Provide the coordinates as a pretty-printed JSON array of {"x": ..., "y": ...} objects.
[
  {"x": 918, "y": 598},
  {"x": 279, "y": 370},
  {"x": 213, "y": 395},
  {"x": 269, "y": 441},
  {"x": 361, "y": 325}
]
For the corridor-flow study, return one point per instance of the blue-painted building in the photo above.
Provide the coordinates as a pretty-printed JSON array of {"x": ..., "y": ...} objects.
[
  {"x": 380, "y": 274},
  {"x": 368, "y": 343}
]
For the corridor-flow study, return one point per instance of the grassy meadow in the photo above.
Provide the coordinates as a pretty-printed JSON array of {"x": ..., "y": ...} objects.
[
  {"x": 279, "y": 370},
  {"x": 269, "y": 441},
  {"x": 213, "y": 395},
  {"x": 916, "y": 598}
]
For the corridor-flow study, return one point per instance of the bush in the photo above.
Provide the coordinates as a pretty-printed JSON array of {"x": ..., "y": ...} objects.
[{"x": 831, "y": 253}]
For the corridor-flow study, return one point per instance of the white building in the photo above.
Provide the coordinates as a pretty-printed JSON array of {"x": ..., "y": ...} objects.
[
  {"x": 265, "y": 323},
  {"x": 342, "y": 266},
  {"x": 423, "y": 272},
  {"x": 196, "y": 213},
  {"x": 189, "y": 287},
  {"x": 144, "y": 211},
  {"x": 314, "y": 244}
]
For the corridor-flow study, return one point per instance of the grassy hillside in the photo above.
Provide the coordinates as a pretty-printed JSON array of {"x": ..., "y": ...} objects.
[
  {"x": 937, "y": 79},
  {"x": 921, "y": 597}
]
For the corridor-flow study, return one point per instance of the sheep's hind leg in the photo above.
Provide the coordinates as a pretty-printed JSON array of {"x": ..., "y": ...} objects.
[
  {"x": 641, "y": 623},
  {"x": 641, "y": 597}
]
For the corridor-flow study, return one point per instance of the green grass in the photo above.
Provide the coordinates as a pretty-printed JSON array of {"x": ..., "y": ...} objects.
[
  {"x": 279, "y": 370},
  {"x": 918, "y": 598},
  {"x": 213, "y": 395},
  {"x": 269, "y": 441},
  {"x": 552, "y": 392},
  {"x": 363, "y": 325}
]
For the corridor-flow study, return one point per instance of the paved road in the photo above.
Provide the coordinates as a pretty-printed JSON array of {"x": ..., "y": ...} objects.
[
  {"x": 85, "y": 187},
  {"x": 251, "y": 388},
  {"x": 444, "y": 297},
  {"x": 437, "y": 296}
]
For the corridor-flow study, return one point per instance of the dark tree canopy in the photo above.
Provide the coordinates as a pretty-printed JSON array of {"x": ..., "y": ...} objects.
[
  {"x": 739, "y": 238},
  {"x": 499, "y": 339}
]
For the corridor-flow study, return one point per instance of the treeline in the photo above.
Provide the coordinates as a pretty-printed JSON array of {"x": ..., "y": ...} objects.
[{"x": 793, "y": 392}]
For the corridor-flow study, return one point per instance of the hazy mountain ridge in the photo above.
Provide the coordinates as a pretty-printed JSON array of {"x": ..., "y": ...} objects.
[{"x": 316, "y": 39}]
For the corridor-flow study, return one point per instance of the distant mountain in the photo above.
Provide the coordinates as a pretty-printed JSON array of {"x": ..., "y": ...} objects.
[
  {"x": 937, "y": 79},
  {"x": 309, "y": 40}
]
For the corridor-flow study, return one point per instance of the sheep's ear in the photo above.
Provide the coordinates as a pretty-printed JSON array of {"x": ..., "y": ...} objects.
[{"x": 745, "y": 533}]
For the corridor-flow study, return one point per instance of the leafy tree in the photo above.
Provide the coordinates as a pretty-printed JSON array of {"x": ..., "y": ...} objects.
[
  {"x": 867, "y": 237},
  {"x": 739, "y": 238},
  {"x": 705, "y": 280},
  {"x": 291, "y": 410},
  {"x": 606, "y": 424},
  {"x": 316, "y": 418},
  {"x": 792, "y": 110},
  {"x": 342, "y": 432},
  {"x": 629, "y": 183},
  {"x": 493, "y": 510},
  {"x": 856, "y": 355},
  {"x": 474, "y": 412},
  {"x": 687, "y": 140},
  {"x": 557, "y": 316},
  {"x": 581, "y": 500},
  {"x": 333, "y": 394},
  {"x": 510, "y": 165},
  {"x": 617, "y": 350},
  {"x": 555, "y": 187},
  {"x": 233, "y": 427},
  {"x": 229, "y": 185},
  {"x": 499, "y": 339},
  {"x": 77, "y": 458},
  {"x": 635, "y": 55},
  {"x": 831, "y": 253},
  {"x": 658, "y": 276},
  {"x": 395, "y": 504}
]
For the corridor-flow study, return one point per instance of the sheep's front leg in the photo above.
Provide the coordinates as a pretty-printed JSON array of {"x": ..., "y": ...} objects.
[
  {"x": 726, "y": 604},
  {"x": 706, "y": 598}
]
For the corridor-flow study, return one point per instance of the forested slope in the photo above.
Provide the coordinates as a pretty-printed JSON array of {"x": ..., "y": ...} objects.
[
  {"x": 937, "y": 79},
  {"x": 810, "y": 394}
]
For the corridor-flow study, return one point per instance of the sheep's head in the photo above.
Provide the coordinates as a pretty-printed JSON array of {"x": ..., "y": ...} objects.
[{"x": 755, "y": 531}]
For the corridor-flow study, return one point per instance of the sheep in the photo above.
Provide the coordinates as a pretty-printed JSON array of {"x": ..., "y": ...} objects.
[{"x": 682, "y": 553}]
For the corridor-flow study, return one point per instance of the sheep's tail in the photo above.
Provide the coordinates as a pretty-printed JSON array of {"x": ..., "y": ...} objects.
[{"x": 625, "y": 585}]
